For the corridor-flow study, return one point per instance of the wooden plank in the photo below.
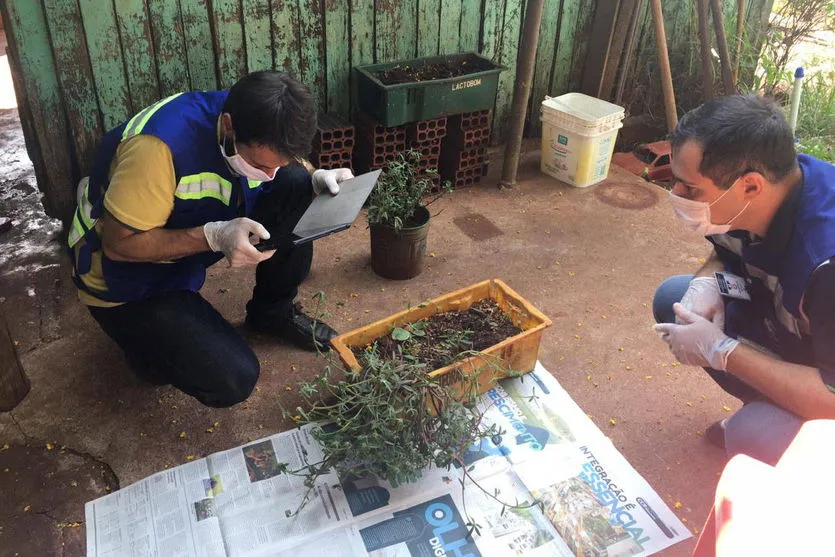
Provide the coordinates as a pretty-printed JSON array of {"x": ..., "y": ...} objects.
[
  {"x": 361, "y": 49},
  {"x": 470, "y": 25},
  {"x": 545, "y": 52},
  {"x": 312, "y": 42},
  {"x": 169, "y": 46},
  {"x": 338, "y": 56},
  {"x": 491, "y": 25},
  {"x": 31, "y": 55},
  {"x": 450, "y": 30},
  {"x": 229, "y": 41},
  {"x": 564, "y": 55},
  {"x": 197, "y": 34},
  {"x": 106, "y": 60},
  {"x": 513, "y": 14},
  {"x": 75, "y": 75},
  {"x": 285, "y": 26},
  {"x": 135, "y": 30},
  {"x": 259, "y": 48},
  {"x": 597, "y": 56},
  {"x": 14, "y": 385},
  {"x": 429, "y": 28},
  {"x": 582, "y": 34},
  {"x": 396, "y": 32}
]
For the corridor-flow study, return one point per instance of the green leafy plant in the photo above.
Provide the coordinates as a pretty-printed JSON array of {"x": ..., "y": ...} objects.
[
  {"x": 399, "y": 192},
  {"x": 391, "y": 419}
]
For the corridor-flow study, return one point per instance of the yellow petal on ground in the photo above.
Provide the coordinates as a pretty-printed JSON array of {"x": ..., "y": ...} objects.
[
  {"x": 190, "y": 457},
  {"x": 26, "y": 508},
  {"x": 620, "y": 349},
  {"x": 5, "y": 447},
  {"x": 726, "y": 408},
  {"x": 260, "y": 426},
  {"x": 647, "y": 377},
  {"x": 669, "y": 374},
  {"x": 216, "y": 424},
  {"x": 684, "y": 520},
  {"x": 612, "y": 421},
  {"x": 182, "y": 435},
  {"x": 353, "y": 295},
  {"x": 704, "y": 397},
  {"x": 628, "y": 368},
  {"x": 576, "y": 336},
  {"x": 432, "y": 254},
  {"x": 677, "y": 504},
  {"x": 539, "y": 267},
  {"x": 690, "y": 404},
  {"x": 702, "y": 260},
  {"x": 210, "y": 430},
  {"x": 288, "y": 388},
  {"x": 588, "y": 377},
  {"x": 49, "y": 446},
  {"x": 698, "y": 432},
  {"x": 74, "y": 483},
  {"x": 571, "y": 273}
]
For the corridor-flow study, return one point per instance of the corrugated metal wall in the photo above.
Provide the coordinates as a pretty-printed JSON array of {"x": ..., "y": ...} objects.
[{"x": 83, "y": 66}]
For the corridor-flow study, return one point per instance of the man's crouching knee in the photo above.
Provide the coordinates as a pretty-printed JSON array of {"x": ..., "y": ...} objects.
[{"x": 232, "y": 384}]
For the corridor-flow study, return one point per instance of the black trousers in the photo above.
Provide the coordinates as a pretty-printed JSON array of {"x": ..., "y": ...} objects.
[{"x": 181, "y": 339}]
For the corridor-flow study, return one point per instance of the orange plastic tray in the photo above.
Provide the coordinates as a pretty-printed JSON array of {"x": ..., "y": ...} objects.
[{"x": 518, "y": 353}]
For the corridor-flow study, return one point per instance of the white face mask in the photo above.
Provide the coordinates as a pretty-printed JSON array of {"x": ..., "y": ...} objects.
[
  {"x": 237, "y": 163},
  {"x": 695, "y": 215}
]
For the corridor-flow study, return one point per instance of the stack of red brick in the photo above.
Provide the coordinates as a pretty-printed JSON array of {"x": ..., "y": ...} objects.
[
  {"x": 426, "y": 137},
  {"x": 333, "y": 145},
  {"x": 463, "y": 159},
  {"x": 376, "y": 144}
]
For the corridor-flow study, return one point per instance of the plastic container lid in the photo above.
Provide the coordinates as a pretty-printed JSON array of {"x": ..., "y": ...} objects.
[{"x": 583, "y": 106}]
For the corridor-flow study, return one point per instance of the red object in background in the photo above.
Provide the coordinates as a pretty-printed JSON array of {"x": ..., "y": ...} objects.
[
  {"x": 783, "y": 510},
  {"x": 650, "y": 161}
]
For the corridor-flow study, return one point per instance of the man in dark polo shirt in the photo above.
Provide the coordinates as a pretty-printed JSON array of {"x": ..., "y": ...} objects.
[{"x": 764, "y": 329}]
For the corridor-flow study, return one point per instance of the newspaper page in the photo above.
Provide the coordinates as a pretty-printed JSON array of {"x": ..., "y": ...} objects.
[
  {"x": 168, "y": 514},
  {"x": 549, "y": 483},
  {"x": 598, "y": 503}
]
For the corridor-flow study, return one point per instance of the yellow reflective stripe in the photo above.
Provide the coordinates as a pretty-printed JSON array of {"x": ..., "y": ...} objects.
[
  {"x": 82, "y": 219},
  {"x": 254, "y": 183},
  {"x": 205, "y": 184},
  {"x": 77, "y": 231},
  {"x": 137, "y": 123}
]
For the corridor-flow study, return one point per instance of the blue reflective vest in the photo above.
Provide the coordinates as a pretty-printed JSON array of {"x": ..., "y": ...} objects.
[
  {"x": 206, "y": 191},
  {"x": 779, "y": 279}
]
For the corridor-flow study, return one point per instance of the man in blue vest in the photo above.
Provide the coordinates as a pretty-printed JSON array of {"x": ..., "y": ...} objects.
[
  {"x": 195, "y": 178},
  {"x": 764, "y": 329}
]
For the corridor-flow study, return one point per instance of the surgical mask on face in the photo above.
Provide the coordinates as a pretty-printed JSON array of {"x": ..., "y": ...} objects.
[
  {"x": 695, "y": 215},
  {"x": 237, "y": 163}
]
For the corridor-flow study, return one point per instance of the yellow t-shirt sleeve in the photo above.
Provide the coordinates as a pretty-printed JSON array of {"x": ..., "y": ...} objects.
[{"x": 142, "y": 183}]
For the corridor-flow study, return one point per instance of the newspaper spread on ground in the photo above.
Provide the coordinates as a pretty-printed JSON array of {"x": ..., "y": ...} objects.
[{"x": 237, "y": 503}]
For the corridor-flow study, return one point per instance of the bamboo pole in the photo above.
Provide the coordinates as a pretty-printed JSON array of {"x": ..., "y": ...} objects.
[
  {"x": 722, "y": 43},
  {"x": 664, "y": 64},
  {"x": 522, "y": 91},
  {"x": 740, "y": 30},
  {"x": 703, "y": 9}
]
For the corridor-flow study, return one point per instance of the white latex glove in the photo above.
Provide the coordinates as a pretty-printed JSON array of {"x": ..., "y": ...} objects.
[
  {"x": 232, "y": 237},
  {"x": 698, "y": 342},
  {"x": 329, "y": 180},
  {"x": 703, "y": 298}
]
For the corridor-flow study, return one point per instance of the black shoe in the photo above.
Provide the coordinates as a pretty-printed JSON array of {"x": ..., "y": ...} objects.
[
  {"x": 296, "y": 327},
  {"x": 715, "y": 433}
]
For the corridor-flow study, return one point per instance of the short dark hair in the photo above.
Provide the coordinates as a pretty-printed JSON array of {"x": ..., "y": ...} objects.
[
  {"x": 271, "y": 108},
  {"x": 739, "y": 134}
]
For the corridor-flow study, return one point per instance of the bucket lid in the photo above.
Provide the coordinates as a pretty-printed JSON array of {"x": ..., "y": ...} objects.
[{"x": 583, "y": 106}]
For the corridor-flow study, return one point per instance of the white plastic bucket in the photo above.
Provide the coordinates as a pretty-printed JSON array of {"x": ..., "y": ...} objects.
[{"x": 578, "y": 138}]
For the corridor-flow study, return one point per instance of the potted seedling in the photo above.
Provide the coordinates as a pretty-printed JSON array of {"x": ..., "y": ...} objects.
[{"x": 399, "y": 219}]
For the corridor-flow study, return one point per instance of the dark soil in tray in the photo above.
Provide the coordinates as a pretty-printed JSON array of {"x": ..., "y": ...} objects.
[
  {"x": 438, "y": 340},
  {"x": 457, "y": 67}
]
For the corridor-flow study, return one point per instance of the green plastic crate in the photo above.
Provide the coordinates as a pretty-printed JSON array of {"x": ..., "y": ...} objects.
[{"x": 394, "y": 105}]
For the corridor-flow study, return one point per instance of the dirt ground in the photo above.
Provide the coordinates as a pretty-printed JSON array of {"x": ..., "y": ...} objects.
[{"x": 590, "y": 259}]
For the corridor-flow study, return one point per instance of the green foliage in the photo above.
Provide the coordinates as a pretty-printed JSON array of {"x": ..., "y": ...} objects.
[
  {"x": 399, "y": 191},
  {"x": 391, "y": 419}
]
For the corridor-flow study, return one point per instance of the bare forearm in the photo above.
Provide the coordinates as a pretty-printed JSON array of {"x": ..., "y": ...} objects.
[
  {"x": 794, "y": 387},
  {"x": 712, "y": 265},
  {"x": 158, "y": 244}
]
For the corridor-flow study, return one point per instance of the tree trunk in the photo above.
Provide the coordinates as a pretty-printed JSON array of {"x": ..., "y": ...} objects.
[{"x": 13, "y": 382}]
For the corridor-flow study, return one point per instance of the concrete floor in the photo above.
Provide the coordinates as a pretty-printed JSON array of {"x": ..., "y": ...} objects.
[{"x": 588, "y": 258}]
